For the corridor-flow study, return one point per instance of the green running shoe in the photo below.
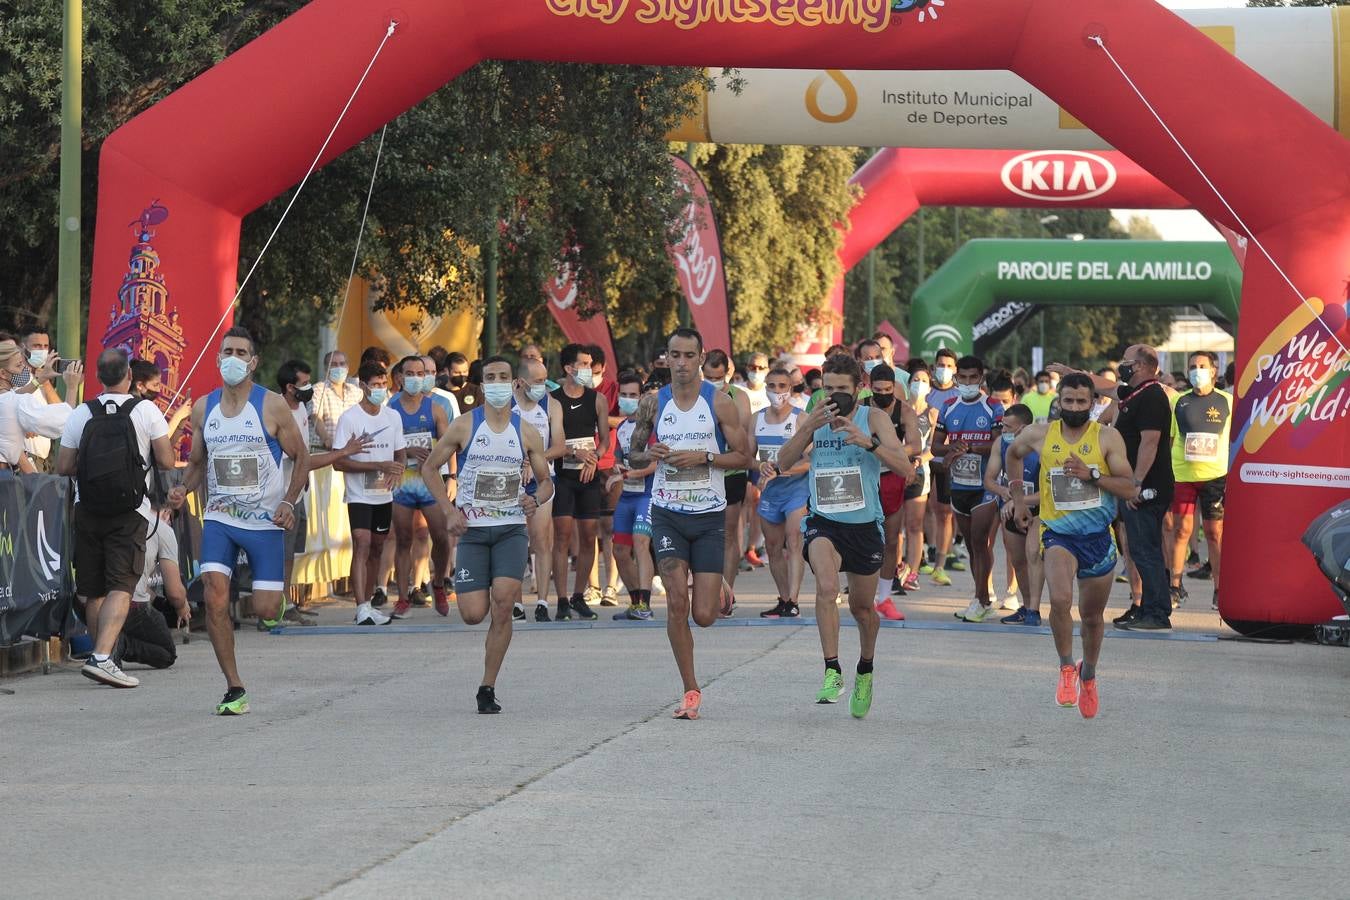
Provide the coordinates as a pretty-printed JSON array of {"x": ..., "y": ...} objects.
[
  {"x": 834, "y": 686},
  {"x": 942, "y": 578},
  {"x": 955, "y": 563},
  {"x": 926, "y": 569},
  {"x": 269, "y": 624},
  {"x": 860, "y": 701},
  {"x": 234, "y": 703}
]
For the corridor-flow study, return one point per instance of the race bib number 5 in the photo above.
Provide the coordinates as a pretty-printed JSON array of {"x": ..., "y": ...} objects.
[
  {"x": 235, "y": 473},
  {"x": 839, "y": 490}
]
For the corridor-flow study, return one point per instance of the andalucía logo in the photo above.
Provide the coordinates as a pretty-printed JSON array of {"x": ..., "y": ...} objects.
[{"x": 1060, "y": 175}]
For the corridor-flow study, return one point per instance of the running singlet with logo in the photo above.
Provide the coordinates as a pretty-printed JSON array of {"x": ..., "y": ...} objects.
[
  {"x": 844, "y": 477},
  {"x": 697, "y": 489},
  {"x": 538, "y": 418},
  {"x": 490, "y": 474},
  {"x": 419, "y": 430},
  {"x": 1068, "y": 505},
  {"x": 623, "y": 450},
  {"x": 769, "y": 439},
  {"x": 243, "y": 464},
  {"x": 579, "y": 426},
  {"x": 1031, "y": 467},
  {"x": 1200, "y": 441},
  {"x": 940, "y": 397},
  {"x": 973, "y": 423}
]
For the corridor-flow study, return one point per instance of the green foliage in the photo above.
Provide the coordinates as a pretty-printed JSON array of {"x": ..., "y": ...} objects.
[{"x": 776, "y": 210}]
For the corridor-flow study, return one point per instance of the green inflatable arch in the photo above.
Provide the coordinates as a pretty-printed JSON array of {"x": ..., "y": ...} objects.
[{"x": 989, "y": 287}]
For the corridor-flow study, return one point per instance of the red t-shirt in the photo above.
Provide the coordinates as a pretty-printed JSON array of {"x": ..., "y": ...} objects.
[{"x": 610, "y": 391}]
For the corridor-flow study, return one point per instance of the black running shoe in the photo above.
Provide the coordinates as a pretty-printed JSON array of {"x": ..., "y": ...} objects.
[
  {"x": 1130, "y": 615},
  {"x": 541, "y": 612},
  {"x": 1179, "y": 595},
  {"x": 1214, "y": 601},
  {"x": 1204, "y": 573},
  {"x": 487, "y": 701},
  {"x": 379, "y": 598},
  {"x": 564, "y": 613},
  {"x": 790, "y": 611},
  {"x": 518, "y": 614},
  {"x": 1148, "y": 623},
  {"x": 579, "y": 607},
  {"x": 898, "y": 587},
  {"x": 774, "y": 613}
]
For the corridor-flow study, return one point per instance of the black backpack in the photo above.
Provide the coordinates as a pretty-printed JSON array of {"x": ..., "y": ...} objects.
[{"x": 110, "y": 472}]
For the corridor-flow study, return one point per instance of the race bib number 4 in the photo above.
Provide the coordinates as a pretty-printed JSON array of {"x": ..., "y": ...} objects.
[
  {"x": 1201, "y": 446},
  {"x": 1070, "y": 493},
  {"x": 966, "y": 471},
  {"x": 839, "y": 490},
  {"x": 236, "y": 473},
  {"x": 496, "y": 488}
]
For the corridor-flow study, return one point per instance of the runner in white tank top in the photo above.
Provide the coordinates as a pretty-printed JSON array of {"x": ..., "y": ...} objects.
[{"x": 531, "y": 404}]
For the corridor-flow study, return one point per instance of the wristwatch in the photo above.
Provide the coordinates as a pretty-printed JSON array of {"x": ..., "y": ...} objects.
[
  {"x": 876, "y": 442},
  {"x": 710, "y": 457}
]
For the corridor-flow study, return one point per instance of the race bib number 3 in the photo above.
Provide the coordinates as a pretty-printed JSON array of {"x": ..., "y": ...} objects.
[
  {"x": 1201, "y": 446},
  {"x": 839, "y": 490},
  {"x": 966, "y": 471},
  {"x": 235, "y": 473},
  {"x": 1070, "y": 493},
  {"x": 496, "y": 488}
]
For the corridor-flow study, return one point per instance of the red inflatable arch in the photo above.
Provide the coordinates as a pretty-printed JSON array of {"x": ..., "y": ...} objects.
[
  {"x": 896, "y": 183},
  {"x": 247, "y": 130}
]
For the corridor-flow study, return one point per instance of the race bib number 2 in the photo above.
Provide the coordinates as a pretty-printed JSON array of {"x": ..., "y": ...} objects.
[{"x": 839, "y": 490}]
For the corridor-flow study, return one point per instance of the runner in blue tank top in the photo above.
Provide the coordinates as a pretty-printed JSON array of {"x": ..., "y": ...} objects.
[
  {"x": 849, "y": 444},
  {"x": 1023, "y": 554},
  {"x": 424, "y": 422},
  {"x": 784, "y": 493},
  {"x": 966, "y": 430}
]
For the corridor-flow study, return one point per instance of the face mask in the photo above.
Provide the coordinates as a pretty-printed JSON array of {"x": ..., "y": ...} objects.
[
  {"x": 943, "y": 374},
  {"x": 379, "y": 396},
  {"x": 536, "y": 392},
  {"x": 584, "y": 377},
  {"x": 443, "y": 381},
  {"x": 304, "y": 394},
  {"x": 628, "y": 405},
  {"x": 497, "y": 394},
  {"x": 412, "y": 384},
  {"x": 968, "y": 391},
  {"x": 152, "y": 396},
  {"x": 755, "y": 378},
  {"x": 337, "y": 374},
  {"x": 1009, "y": 437},
  {"x": 233, "y": 370},
  {"x": 776, "y": 399},
  {"x": 459, "y": 381},
  {"x": 871, "y": 364},
  {"x": 37, "y": 359},
  {"x": 1126, "y": 373},
  {"x": 883, "y": 401},
  {"x": 1201, "y": 378},
  {"x": 1042, "y": 387},
  {"x": 919, "y": 389},
  {"x": 842, "y": 402},
  {"x": 1074, "y": 418}
]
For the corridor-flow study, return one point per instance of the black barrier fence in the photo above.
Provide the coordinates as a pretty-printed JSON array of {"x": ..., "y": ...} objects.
[{"x": 36, "y": 583}]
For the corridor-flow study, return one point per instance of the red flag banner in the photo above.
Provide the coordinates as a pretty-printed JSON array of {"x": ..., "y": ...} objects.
[
  {"x": 562, "y": 302},
  {"x": 698, "y": 264}
]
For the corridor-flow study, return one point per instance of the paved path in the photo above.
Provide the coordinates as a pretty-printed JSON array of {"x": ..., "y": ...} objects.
[{"x": 1214, "y": 770}]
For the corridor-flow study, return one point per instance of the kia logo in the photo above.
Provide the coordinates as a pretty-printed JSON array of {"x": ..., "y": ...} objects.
[{"x": 1062, "y": 175}]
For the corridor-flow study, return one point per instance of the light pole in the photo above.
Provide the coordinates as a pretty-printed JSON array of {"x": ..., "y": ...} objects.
[
  {"x": 68, "y": 244},
  {"x": 1044, "y": 221}
]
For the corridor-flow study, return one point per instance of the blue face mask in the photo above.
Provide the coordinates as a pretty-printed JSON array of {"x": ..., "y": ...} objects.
[
  {"x": 871, "y": 364},
  {"x": 537, "y": 392},
  {"x": 413, "y": 384},
  {"x": 337, "y": 375},
  {"x": 233, "y": 370},
  {"x": 628, "y": 405},
  {"x": 497, "y": 394},
  {"x": 37, "y": 359},
  {"x": 379, "y": 396}
]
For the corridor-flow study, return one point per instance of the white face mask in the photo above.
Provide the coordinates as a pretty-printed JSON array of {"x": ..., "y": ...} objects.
[
  {"x": 497, "y": 394},
  {"x": 233, "y": 370},
  {"x": 755, "y": 378},
  {"x": 1201, "y": 378},
  {"x": 968, "y": 391},
  {"x": 943, "y": 374},
  {"x": 1042, "y": 387},
  {"x": 919, "y": 389},
  {"x": 870, "y": 364},
  {"x": 412, "y": 384},
  {"x": 777, "y": 399},
  {"x": 379, "y": 396},
  {"x": 536, "y": 392},
  {"x": 37, "y": 359},
  {"x": 337, "y": 374},
  {"x": 584, "y": 377}
]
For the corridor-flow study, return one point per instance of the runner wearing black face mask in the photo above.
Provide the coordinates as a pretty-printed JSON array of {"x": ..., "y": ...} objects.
[{"x": 886, "y": 394}]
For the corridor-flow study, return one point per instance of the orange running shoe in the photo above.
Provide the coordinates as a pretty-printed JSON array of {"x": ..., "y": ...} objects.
[
  {"x": 1087, "y": 694},
  {"x": 442, "y": 598},
  {"x": 1067, "y": 693},
  {"x": 689, "y": 705},
  {"x": 887, "y": 610}
]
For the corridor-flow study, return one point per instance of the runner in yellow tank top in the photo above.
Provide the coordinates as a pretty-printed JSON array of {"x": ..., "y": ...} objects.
[{"x": 1084, "y": 469}]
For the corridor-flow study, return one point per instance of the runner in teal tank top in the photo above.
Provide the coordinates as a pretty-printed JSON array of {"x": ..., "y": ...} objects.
[{"x": 849, "y": 445}]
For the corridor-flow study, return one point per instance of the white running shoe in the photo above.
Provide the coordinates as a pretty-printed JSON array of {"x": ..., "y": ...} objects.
[
  {"x": 980, "y": 613},
  {"x": 657, "y": 586},
  {"x": 369, "y": 615},
  {"x": 109, "y": 673},
  {"x": 1011, "y": 602},
  {"x": 970, "y": 610}
]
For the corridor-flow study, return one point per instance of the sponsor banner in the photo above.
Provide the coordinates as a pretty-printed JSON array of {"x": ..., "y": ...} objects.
[
  {"x": 698, "y": 263},
  {"x": 994, "y": 109},
  {"x": 1296, "y": 475},
  {"x": 34, "y": 555},
  {"x": 999, "y": 321},
  {"x": 562, "y": 293}
]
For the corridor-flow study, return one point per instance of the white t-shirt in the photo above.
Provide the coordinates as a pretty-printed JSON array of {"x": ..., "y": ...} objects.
[
  {"x": 301, "y": 416},
  {"x": 160, "y": 544},
  {"x": 23, "y": 414},
  {"x": 150, "y": 426},
  {"x": 375, "y": 488},
  {"x": 759, "y": 398}
]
